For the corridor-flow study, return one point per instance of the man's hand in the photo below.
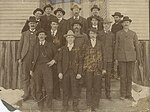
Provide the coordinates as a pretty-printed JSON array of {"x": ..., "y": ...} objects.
[
  {"x": 103, "y": 72},
  {"x": 19, "y": 61},
  {"x": 51, "y": 63},
  {"x": 78, "y": 76},
  {"x": 60, "y": 75},
  {"x": 31, "y": 73}
]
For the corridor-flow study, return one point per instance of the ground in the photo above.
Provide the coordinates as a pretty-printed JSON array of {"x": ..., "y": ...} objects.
[{"x": 140, "y": 94}]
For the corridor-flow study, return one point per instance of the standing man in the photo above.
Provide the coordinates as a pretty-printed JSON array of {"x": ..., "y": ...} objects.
[
  {"x": 126, "y": 53},
  {"x": 41, "y": 70},
  {"x": 108, "y": 39},
  {"x": 117, "y": 26},
  {"x": 76, "y": 11},
  {"x": 95, "y": 12},
  {"x": 69, "y": 70},
  {"x": 62, "y": 22},
  {"x": 24, "y": 54},
  {"x": 94, "y": 66},
  {"x": 47, "y": 18},
  {"x": 37, "y": 13}
]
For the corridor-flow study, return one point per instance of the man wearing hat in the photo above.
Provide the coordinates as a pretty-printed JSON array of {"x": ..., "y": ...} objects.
[
  {"x": 108, "y": 40},
  {"x": 41, "y": 69},
  {"x": 126, "y": 53},
  {"x": 95, "y": 15},
  {"x": 69, "y": 69},
  {"x": 62, "y": 22},
  {"x": 94, "y": 65},
  {"x": 76, "y": 10},
  {"x": 24, "y": 53},
  {"x": 117, "y": 26},
  {"x": 37, "y": 13},
  {"x": 47, "y": 18}
]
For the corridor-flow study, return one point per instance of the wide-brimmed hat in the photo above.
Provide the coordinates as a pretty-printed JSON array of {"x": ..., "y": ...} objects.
[
  {"x": 41, "y": 31},
  {"x": 48, "y": 5},
  {"x": 59, "y": 9},
  {"x": 95, "y": 7},
  {"x": 32, "y": 19},
  {"x": 126, "y": 18},
  {"x": 93, "y": 30},
  {"x": 96, "y": 17},
  {"x": 117, "y": 14},
  {"x": 38, "y": 9},
  {"x": 107, "y": 20},
  {"x": 75, "y": 6},
  {"x": 70, "y": 33},
  {"x": 77, "y": 22}
]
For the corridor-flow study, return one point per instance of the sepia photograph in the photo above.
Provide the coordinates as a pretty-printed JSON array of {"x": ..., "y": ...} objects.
[{"x": 74, "y": 56}]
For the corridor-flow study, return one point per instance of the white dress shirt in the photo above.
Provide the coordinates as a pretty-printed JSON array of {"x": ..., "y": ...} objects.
[
  {"x": 70, "y": 46},
  {"x": 53, "y": 32},
  {"x": 76, "y": 17},
  {"x": 93, "y": 42},
  {"x": 96, "y": 27},
  {"x": 42, "y": 42}
]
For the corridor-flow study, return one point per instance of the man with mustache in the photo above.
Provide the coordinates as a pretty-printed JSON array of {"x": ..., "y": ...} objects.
[
  {"x": 76, "y": 11},
  {"x": 126, "y": 53},
  {"x": 37, "y": 13},
  {"x": 24, "y": 54}
]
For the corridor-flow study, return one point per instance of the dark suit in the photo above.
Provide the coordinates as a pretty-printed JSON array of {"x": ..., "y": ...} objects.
[
  {"x": 126, "y": 52},
  {"x": 26, "y": 26},
  {"x": 94, "y": 62},
  {"x": 42, "y": 74},
  {"x": 108, "y": 42},
  {"x": 116, "y": 27},
  {"x": 46, "y": 22},
  {"x": 82, "y": 20},
  {"x": 25, "y": 50},
  {"x": 69, "y": 66},
  {"x": 100, "y": 24}
]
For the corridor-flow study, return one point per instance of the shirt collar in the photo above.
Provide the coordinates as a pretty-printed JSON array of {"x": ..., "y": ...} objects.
[
  {"x": 32, "y": 30},
  {"x": 54, "y": 32},
  {"x": 59, "y": 19},
  {"x": 70, "y": 45},
  {"x": 76, "y": 17},
  {"x": 42, "y": 42}
]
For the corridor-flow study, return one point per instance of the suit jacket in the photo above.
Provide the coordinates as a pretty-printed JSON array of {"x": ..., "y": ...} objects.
[
  {"x": 94, "y": 58},
  {"x": 83, "y": 22},
  {"x": 116, "y": 27},
  {"x": 58, "y": 40},
  {"x": 108, "y": 40},
  {"x": 45, "y": 22},
  {"x": 63, "y": 26},
  {"x": 26, "y": 26},
  {"x": 63, "y": 60},
  {"x": 23, "y": 45},
  {"x": 100, "y": 24},
  {"x": 126, "y": 46},
  {"x": 50, "y": 51}
]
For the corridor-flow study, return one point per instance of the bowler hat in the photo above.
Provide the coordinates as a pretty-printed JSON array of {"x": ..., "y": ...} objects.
[
  {"x": 95, "y": 7},
  {"x": 126, "y": 18},
  {"x": 48, "y": 5},
  {"x": 70, "y": 33},
  {"x": 38, "y": 9},
  {"x": 54, "y": 20},
  {"x": 59, "y": 9},
  {"x": 107, "y": 20},
  {"x": 32, "y": 19},
  {"x": 75, "y": 6},
  {"x": 93, "y": 30},
  {"x": 117, "y": 14},
  {"x": 77, "y": 22},
  {"x": 41, "y": 31}
]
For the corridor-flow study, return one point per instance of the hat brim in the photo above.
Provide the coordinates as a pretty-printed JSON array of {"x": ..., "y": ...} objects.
[
  {"x": 95, "y": 8},
  {"x": 55, "y": 12},
  {"x": 38, "y": 10},
  {"x": 117, "y": 15},
  {"x": 41, "y": 32},
  {"x": 107, "y": 22},
  {"x": 73, "y": 8},
  {"x": 47, "y": 7},
  {"x": 126, "y": 20},
  {"x": 93, "y": 30},
  {"x": 66, "y": 35}
]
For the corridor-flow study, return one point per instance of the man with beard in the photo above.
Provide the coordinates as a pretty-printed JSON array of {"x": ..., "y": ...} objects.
[
  {"x": 117, "y": 26},
  {"x": 24, "y": 54},
  {"x": 62, "y": 27},
  {"x": 37, "y": 13},
  {"x": 126, "y": 53},
  {"x": 95, "y": 12},
  {"x": 76, "y": 10},
  {"x": 47, "y": 18}
]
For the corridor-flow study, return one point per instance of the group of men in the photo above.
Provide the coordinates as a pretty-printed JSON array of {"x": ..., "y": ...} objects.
[{"x": 58, "y": 53}]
